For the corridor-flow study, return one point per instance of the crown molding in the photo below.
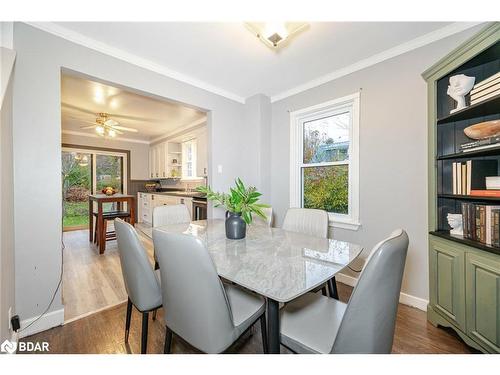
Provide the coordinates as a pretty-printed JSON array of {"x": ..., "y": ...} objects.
[
  {"x": 131, "y": 58},
  {"x": 89, "y": 135},
  {"x": 400, "y": 49}
]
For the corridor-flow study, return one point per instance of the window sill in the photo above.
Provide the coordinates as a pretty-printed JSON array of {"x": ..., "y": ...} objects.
[{"x": 347, "y": 224}]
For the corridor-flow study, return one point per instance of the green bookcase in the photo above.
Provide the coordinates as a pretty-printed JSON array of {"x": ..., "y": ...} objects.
[{"x": 464, "y": 275}]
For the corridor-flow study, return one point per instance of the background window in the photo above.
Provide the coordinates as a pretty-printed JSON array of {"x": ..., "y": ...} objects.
[{"x": 324, "y": 161}]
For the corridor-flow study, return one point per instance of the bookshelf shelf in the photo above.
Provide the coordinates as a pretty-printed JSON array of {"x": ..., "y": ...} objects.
[
  {"x": 475, "y": 153},
  {"x": 488, "y": 107},
  {"x": 465, "y": 241},
  {"x": 469, "y": 197}
]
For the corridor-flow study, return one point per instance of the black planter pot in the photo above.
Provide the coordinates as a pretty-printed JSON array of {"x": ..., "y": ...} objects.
[{"x": 236, "y": 228}]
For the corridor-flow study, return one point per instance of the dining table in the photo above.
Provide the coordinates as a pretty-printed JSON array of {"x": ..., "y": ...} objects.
[
  {"x": 101, "y": 199},
  {"x": 276, "y": 264}
]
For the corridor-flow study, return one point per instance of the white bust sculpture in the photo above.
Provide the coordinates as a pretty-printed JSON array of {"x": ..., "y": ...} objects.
[
  {"x": 460, "y": 85},
  {"x": 456, "y": 224}
]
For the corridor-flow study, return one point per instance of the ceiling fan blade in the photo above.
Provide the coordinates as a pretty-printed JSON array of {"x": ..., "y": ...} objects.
[
  {"x": 111, "y": 122},
  {"x": 124, "y": 128},
  {"x": 87, "y": 127}
]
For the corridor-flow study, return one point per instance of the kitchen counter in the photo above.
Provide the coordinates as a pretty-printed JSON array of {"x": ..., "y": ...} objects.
[{"x": 178, "y": 193}]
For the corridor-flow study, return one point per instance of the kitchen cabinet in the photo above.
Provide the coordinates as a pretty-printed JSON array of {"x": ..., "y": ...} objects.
[
  {"x": 202, "y": 154},
  {"x": 147, "y": 202},
  {"x": 157, "y": 161},
  {"x": 144, "y": 208}
]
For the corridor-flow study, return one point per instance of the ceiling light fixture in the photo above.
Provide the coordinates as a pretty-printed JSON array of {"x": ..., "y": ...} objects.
[
  {"x": 275, "y": 34},
  {"x": 111, "y": 133},
  {"x": 100, "y": 129}
]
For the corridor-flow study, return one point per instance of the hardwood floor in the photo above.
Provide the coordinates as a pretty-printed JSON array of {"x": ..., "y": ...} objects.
[
  {"x": 103, "y": 332},
  {"x": 91, "y": 281}
]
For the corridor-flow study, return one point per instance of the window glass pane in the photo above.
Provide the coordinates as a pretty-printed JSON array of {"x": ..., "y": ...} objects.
[
  {"x": 109, "y": 172},
  {"x": 76, "y": 185},
  {"x": 327, "y": 139},
  {"x": 327, "y": 188}
]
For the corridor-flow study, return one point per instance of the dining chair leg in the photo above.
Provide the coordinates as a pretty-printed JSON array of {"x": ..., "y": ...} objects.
[
  {"x": 323, "y": 291},
  {"x": 167, "y": 348},
  {"x": 144, "y": 340},
  {"x": 154, "y": 314},
  {"x": 263, "y": 330},
  {"x": 128, "y": 318},
  {"x": 332, "y": 287}
]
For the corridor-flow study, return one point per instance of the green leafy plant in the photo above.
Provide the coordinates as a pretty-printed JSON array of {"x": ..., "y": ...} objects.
[{"x": 240, "y": 200}]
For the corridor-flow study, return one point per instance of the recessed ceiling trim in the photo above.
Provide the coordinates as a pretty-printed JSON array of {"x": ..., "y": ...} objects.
[
  {"x": 98, "y": 46},
  {"x": 92, "y": 135},
  {"x": 400, "y": 49}
]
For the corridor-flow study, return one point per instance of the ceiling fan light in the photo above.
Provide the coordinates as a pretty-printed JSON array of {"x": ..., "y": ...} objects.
[
  {"x": 112, "y": 133},
  {"x": 100, "y": 129}
]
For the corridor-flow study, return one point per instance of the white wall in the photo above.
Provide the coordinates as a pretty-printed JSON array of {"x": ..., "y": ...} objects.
[
  {"x": 37, "y": 146},
  {"x": 393, "y": 151},
  {"x": 139, "y": 152},
  {"x": 7, "y": 278}
]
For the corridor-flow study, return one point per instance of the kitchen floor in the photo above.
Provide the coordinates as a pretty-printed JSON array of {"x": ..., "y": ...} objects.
[{"x": 91, "y": 282}]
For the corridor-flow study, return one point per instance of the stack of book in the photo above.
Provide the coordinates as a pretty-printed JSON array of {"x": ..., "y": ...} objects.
[
  {"x": 480, "y": 144},
  {"x": 481, "y": 223},
  {"x": 469, "y": 178},
  {"x": 485, "y": 89}
]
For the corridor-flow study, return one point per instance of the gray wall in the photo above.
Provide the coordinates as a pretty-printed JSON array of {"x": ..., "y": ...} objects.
[
  {"x": 393, "y": 151},
  {"x": 258, "y": 121},
  {"x": 37, "y": 147},
  {"x": 139, "y": 152},
  {"x": 7, "y": 278}
]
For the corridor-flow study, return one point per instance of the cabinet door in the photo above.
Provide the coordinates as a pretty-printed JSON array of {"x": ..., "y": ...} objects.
[
  {"x": 447, "y": 281},
  {"x": 162, "y": 160},
  {"x": 201, "y": 155},
  {"x": 483, "y": 300},
  {"x": 153, "y": 163}
]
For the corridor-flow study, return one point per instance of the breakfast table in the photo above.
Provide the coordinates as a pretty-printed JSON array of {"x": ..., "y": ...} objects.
[
  {"x": 278, "y": 265},
  {"x": 100, "y": 199}
]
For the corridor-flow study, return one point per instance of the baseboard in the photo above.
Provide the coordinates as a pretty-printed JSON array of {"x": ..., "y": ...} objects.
[
  {"x": 49, "y": 320},
  {"x": 404, "y": 298}
]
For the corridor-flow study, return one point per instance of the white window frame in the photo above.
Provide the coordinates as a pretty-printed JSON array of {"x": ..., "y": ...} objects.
[
  {"x": 194, "y": 157},
  {"x": 297, "y": 119}
]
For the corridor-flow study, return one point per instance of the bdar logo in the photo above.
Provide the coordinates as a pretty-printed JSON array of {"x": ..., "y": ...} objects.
[{"x": 8, "y": 347}]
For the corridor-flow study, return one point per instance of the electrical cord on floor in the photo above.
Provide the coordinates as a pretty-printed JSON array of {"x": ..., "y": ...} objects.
[{"x": 55, "y": 292}]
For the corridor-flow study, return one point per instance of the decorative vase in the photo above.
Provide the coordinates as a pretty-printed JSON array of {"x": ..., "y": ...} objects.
[{"x": 236, "y": 227}]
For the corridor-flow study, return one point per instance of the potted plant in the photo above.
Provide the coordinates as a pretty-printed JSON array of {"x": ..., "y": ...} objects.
[{"x": 241, "y": 202}]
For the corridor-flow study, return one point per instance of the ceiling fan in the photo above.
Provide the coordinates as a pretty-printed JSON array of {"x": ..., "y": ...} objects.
[{"x": 104, "y": 125}]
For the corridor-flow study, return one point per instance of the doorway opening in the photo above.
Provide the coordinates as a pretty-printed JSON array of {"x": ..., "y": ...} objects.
[{"x": 120, "y": 138}]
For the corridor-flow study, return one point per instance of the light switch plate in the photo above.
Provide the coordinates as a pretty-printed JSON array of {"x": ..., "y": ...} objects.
[{"x": 219, "y": 168}]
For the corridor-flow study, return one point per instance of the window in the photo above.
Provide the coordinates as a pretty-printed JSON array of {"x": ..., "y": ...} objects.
[
  {"x": 189, "y": 160},
  {"x": 86, "y": 171},
  {"x": 324, "y": 170}
]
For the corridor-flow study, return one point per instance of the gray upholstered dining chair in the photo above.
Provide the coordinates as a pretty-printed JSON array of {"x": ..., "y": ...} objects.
[
  {"x": 141, "y": 281},
  {"x": 312, "y": 222},
  {"x": 317, "y": 324},
  {"x": 170, "y": 214},
  {"x": 206, "y": 313}
]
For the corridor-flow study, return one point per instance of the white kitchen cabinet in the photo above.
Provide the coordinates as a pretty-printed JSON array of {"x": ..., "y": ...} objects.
[
  {"x": 201, "y": 154},
  {"x": 157, "y": 157},
  {"x": 144, "y": 208}
]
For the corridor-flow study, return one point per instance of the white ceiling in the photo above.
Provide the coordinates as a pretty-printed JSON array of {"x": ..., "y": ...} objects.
[
  {"x": 83, "y": 99},
  {"x": 228, "y": 57}
]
